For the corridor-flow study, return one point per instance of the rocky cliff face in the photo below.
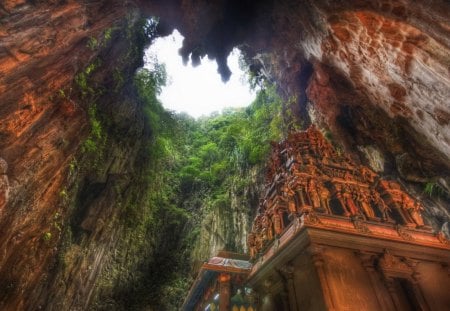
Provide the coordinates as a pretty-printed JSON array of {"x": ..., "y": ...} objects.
[
  {"x": 225, "y": 226},
  {"x": 72, "y": 135},
  {"x": 73, "y": 145}
]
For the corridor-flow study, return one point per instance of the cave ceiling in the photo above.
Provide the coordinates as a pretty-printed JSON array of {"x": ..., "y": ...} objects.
[{"x": 375, "y": 72}]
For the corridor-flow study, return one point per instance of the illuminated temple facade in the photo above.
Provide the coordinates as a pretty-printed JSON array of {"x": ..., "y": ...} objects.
[{"x": 331, "y": 234}]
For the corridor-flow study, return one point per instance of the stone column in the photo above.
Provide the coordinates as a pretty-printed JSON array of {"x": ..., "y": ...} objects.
[
  {"x": 390, "y": 284},
  {"x": 415, "y": 280},
  {"x": 224, "y": 292},
  {"x": 317, "y": 259},
  {"x": 267, "y": 303},
  {"x": 287, "y": 272},
  {"x": 367, "y": 261}
]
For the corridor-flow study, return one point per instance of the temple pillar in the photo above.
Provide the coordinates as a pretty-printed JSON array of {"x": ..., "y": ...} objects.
[
  {"x": 287, "y": 272},
  {"x": 317, "y": 259},
  {"x": 224, "y": 291},
  {"x": 267, "y": 301},
  {"x": 367, "y": 261},
  {"x": 393, "y": 292},
  {"x": 415, "y": 280}
]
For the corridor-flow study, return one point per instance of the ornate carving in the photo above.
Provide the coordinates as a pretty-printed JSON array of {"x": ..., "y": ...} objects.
[
  {"x": 296, "y": 224},
  {"x": 311, "y": 219},
  {"x": 392, "y": 265},
  {"x": 382, "y": 206},
  {"x": 442, "y": 238},
  {"x": 307, "y": 178},
  {"x": 403, "y": 233},
  {"x": 313, "y": 194},
  {"x": 359, "y": 225},
  {"x": 251, "y": 244},
  {"x": 276, "y": 243}
]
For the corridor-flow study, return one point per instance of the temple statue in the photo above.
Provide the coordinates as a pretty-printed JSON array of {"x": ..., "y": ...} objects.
[
  {"x": 413, "y": 209},
  {"x": 313, "y": 194},
  {"x": 251, "y": 244},
  {"x": 382, "y": 206},
  {"x": 416, "y": 214},
  {"x": 267, "y": 230},
  {"x": 363, "y": 198},
  {"x": 288, "y": 196},
  {"x": 324, "y": 195},
  {"x": 277, "y": 223}
]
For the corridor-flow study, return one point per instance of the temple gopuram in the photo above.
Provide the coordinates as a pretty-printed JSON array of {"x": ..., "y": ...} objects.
[{"x": 330, "y": 234}]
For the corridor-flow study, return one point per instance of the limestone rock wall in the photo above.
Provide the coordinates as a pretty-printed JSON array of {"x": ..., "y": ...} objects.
[
  {"x": 73, "y": 145},
  {"x": 226, "y": 226}
]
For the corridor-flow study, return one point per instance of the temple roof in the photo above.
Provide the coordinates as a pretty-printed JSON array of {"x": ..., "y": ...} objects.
[{"x": 224, "y": 262}]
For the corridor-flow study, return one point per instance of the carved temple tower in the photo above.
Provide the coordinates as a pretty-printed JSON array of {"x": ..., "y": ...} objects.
[
  {"x": 330, "y": 234},
  {"x": 333, "y": 235}
]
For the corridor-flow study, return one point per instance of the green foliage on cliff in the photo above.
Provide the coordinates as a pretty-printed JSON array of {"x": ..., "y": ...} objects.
[
  {"x": 193, "y": 165},
  {"x": 222, "y": 145}
]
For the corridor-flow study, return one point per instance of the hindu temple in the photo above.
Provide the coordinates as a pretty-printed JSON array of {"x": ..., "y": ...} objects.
[{"x": 330, "y": 234}]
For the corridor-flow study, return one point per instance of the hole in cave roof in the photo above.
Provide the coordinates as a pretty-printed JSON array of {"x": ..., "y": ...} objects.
[{"x": 197, "y": 90}]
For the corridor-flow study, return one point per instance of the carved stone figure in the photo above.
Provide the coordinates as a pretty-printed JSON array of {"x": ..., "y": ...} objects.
[
  {"x": 288, "y": 197},
  {"x": 267, "y": 232},
  {"x": 348, "y": 203},
  {"x": 313, "y": 195},
  {"x": 415, "y": 213},
  {"x": 367, "y": 174},
  {"x": 382, "y": 206},
  {"x": 251, "y": 243},
  {"x": 302, "y": 191},
  {"x": 364, "y": 202},
  {"x": 259, "y": 242},
  {"x": 324, "y": 195},
  {"x": 408, "y": 207},
  {"x": 256, "y": 228},
  {"x": 277, "y": 224}
]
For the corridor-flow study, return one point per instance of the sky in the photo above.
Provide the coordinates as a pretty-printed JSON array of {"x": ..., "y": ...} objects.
[{"x": 198, "y": 91}]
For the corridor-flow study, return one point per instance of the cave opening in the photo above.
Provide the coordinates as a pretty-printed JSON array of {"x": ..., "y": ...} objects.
[{"x": 196, "y": 88}]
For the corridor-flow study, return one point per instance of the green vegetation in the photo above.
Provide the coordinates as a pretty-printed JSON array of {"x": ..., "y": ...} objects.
[
  {"x": 185, "y": 169},
  {"x": 181, "y": 170},
  {"x": 47, "y": 236},
  {"x": 433, "y": 189},
  {"x": 63, "y": 194},
  {"x": 193, "y": 166},
  {"x": 92, "y": 43},
  {"x": 223, "y": 145},
  {"x": 82, "y": 79}
]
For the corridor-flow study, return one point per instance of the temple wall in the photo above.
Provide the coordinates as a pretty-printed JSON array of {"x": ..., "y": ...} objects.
[
  {"x": 434, "y": 282},
  {"x": 308, "y": 291},
  {"x": 349, "y": 282},
  {"x": 345, "y": 274}
]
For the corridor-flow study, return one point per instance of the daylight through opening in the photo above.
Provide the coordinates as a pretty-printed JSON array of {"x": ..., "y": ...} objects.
[{"x": 197, "y": 90}]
